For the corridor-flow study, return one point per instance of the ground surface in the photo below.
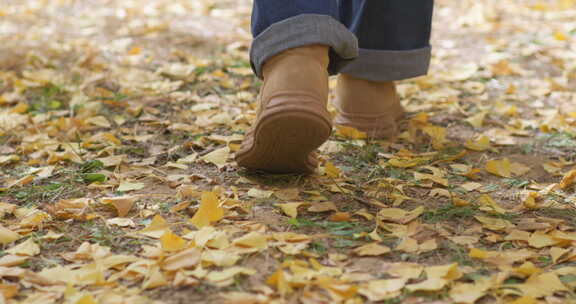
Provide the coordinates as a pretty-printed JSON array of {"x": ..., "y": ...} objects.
[{"x": 119, "y": 120}]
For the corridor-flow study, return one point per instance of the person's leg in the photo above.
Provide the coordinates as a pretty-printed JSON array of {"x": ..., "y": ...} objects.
[
  {"x": 279, "y": 25},
  {"x": 393, "y": 36},
  {"x": 296, "y": 44},
  {"x": 394, "y": 44}
]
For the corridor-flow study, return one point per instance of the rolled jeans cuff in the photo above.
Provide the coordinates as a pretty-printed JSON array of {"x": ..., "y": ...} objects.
[
  {"x": 305, "y": 29},
  {"x": 383, "y": 66}
]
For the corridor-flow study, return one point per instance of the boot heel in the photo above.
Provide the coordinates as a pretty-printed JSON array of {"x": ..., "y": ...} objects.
[{"x": 283, "y": 143}]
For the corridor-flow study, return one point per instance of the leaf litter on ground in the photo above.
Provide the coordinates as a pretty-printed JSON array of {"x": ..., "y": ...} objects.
[{"x": 117, "y": 183}]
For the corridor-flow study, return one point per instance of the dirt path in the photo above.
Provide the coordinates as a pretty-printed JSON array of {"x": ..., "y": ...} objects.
[{"x": 119, "y": 120}]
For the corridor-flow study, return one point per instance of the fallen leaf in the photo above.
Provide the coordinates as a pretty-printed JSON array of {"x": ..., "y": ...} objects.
[
  {"x": 254, "y": 240},
  {"x": 541, "y": 285},
  {"x": 380, "y": 290},
  {"x": 405, "y": 270},
  {"x": 12, "y": 260},
  {"x": 290, "y": 209},
  {"x": 495, "y": 224},
  {"x": 567, "y": 179},
  {"x": 525, "y": 300},
  {"x": 123, "y": 204},
  {"x": 476, "y": 253},
  {"x": 154, "y": 278},
  {"x": 261, "y": 194},
  {"x": 171, "y": 242},
  {"x": 499, "y": 167},
  {"x": 405, "y": 162},
  {"x": 340, "y": 217},
  {"x": 185, "y": 259},
  {"x": 409, "y": 245},
  {"x": 489, "y": 205},
  {"x": 218, "y": 157},
  {"x": 437, "y": 134},
  {"x": 8, "y": 291},
  {"x": 469, "y": 293},
  {"x": 278, "y": 281},
  {"x": 129, "y": 186},
  {"x": 209, "y": 212},
  {"x": 372, "y": 249},
  {"x": 540, "y": 239},
  {"x": 121, "y": 222},
  {"x": 400, "y": 216},
  {"x": 290, "y": 194},
  {"x": 26, "y": 248},
  {"x": 322, "y": 207},
  {"x": 480, "y": 144},
  {"x": 7, "y": 235},
  {"x": 238, "y": 297},
  {"x": 331, "y": 170},
  {"x": 226, "y": 277},
  {"x": 432, "y": 284},
  {"x": 349, "y": 132},
  {"x": 156, "y": 228}
]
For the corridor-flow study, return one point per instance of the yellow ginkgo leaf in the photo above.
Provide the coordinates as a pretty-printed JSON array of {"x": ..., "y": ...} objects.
[
  {"x": 437, "y": 134},
  {"x": 405, "y": 162},
  {"x": 560, "y": 36},
  {"x": 258, "y": 193},
  {"x": 126, "y": 186},
  {"x": 349, "y": 132},
  {"x": 331, "y": 170},
  {"x": 278, "y": 281},
  {"x": 156, "y": 228},
  {"x": 7, "y": 235},
  {"x": 85, "y": 299},
  {"x": 187, "y": 258},
  {"x": 154, "y": 278},
  {"x": 542, "y": 285},
  {"x": 171, "y": 242},
  {"x": 567, "y": 179},
  {"x": 400, "y": 216},
  {"x": 489, "y": 205},
  {"x": 480, "y": 144},
  {"x": 290, "y": 209},
  {"x": 253, "y": 239},
  {"x": 218, "y": 157},
  {"x": 469, "y": 293},
  {"x": 372, "y": 249},
  {"x": 8, "y": 290},
  {"x": 493, "y": 223},
  {"x": 530, "y": 202},
  {"x": 476, "y": 253},
  {"x": 209, "y": 212},
  {"x": 123, "y": 204},
  {"x": 381, "y": 290},
  {"x": 27, "y": 248},
  {"x": 476, "y": 120},
  {"x": 525, "y": 300},
  {"x": 431, "y": 284},
  {"x": 499, "y": 167},
  {"x": 322, "y": 207}
]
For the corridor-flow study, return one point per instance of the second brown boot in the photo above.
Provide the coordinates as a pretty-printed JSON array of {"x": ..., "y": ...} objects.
[
  {"x": 292, "y": 120},
  {"x": 368, "y": 106}
]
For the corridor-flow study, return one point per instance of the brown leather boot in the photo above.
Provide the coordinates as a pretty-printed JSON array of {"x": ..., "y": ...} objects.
[
  {"x": 292, "y": 120},
  {"x": 369, "y": 106}
]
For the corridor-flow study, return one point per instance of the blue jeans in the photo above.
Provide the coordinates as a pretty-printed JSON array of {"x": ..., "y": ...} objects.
[{"x": 378, "y": 40}]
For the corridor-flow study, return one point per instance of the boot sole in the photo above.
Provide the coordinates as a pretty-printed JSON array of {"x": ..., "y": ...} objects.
[{"x": 284, "y": 141}]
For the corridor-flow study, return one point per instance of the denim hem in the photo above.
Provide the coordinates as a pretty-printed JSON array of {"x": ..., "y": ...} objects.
[
  {"x": 305, "y": 29},
  {"x": 378, "y": 65}
]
